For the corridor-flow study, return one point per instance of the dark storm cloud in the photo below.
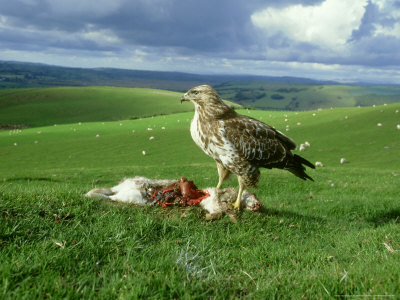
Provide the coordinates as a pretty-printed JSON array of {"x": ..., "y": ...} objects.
[
  {"x": 207, "y": 29},
  {"x": 367, "y": 23},
  {"x": 372, "y": 17},
  {"x": 376, "y": 49},
  {"x": 199, "y": 26}
]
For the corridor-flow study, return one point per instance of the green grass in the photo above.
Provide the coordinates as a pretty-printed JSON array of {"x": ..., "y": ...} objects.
[
  {"x": 48, "y": 106},
  {"x": 64, "y": 105},
  {"x": 337, "y": 236}
]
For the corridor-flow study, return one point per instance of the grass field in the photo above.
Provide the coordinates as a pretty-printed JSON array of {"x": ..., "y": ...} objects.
[
  {"x": 336, "y": 237},
  {"x": 64, "y": 105},
  {"x": 48, "y": 106}
]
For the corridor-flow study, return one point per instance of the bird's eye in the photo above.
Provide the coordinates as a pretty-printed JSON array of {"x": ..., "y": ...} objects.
[{"x": 195, "y": 92}]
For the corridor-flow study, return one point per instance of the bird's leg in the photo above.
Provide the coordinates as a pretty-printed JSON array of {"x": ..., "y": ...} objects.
[
  {"x": 236, "y": 205},
  {"x": 222, "y": 174}
]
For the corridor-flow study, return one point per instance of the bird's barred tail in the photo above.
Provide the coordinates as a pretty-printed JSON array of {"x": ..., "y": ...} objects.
[{"x": 296, "y": 167}]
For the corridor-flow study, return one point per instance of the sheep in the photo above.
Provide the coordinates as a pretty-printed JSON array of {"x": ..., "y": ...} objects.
[
  {"x": 379, "y": 124},
  {"x": 143, "y": 152},
  {"x": 343, "y": 160},
  {"x": 398, "y": 126},
  {"x": 318, "y": 164},
  {"x": 302, "y": 147},
  {"x": 151, "y": 138},
  {"x": 307, "y": 144}
]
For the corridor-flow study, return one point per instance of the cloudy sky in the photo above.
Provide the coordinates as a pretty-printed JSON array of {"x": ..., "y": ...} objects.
[{"x": 342, "y": 40}]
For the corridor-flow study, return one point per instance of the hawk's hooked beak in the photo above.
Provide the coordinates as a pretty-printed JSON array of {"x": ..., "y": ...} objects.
[{"x": 183, "y": 99}]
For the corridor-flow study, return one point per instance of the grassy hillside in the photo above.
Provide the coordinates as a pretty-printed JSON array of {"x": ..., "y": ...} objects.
[
  {"x": 336, "y": 237},
  {"x": 38, "y": 107},
  {"x": 289, "y": 96},
  {"x": 346, "y": 132},
  {"x": 63, "y": 105},
  {"x": 262, "y": 92}
]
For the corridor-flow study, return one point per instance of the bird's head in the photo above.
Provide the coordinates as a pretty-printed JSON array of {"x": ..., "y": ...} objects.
[{"x": 202, "y": 95}]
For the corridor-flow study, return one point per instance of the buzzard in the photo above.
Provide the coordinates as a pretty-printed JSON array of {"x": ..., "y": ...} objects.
[{"x": 239, "y": 144}]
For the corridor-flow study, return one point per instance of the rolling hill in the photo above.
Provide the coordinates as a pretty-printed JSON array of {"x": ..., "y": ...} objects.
[
  {"x": 346, "y": 132},
  {"x": 261, "y": 92},
  {"x": 299, "y": 96},
  {"x": 61, "y": 105},
  {"x": 22, "y": 74},
  {"x": 49, "y": 106}
]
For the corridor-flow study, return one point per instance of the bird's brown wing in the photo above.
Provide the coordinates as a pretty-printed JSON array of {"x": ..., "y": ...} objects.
[{"x": 257, "y": 142}]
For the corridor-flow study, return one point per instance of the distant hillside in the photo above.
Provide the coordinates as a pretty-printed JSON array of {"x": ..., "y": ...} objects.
[
  {"x": 22, "y": 75},
  {"x": 48, "y": 106},
  {"x": 261, "y": 92},
  {"x": 300, "y": 96}
]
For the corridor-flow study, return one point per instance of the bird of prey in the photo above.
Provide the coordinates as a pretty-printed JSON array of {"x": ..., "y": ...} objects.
[{"x": 239, "y": 144}]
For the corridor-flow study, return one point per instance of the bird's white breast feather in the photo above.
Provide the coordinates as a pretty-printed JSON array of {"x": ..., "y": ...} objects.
[{"x": 225, "y": 153}]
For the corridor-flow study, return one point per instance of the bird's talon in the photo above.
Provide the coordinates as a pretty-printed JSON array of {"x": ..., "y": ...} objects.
[{"x": 236, "y": 206}]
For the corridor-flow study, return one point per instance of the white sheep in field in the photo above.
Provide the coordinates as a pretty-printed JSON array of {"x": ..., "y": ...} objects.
[
  {"x": 343, "y": 160},
  {"x": 398, "y": 126},
  {"x": 307, "y": 144},
  {"x": 379, "y": 124},
  {"x": 319, "y": 164},
  {"x": 302, "y": 147}
]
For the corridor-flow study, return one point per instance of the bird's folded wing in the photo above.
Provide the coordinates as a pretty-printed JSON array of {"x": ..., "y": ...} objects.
[{"x": 257, "y": 142}]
